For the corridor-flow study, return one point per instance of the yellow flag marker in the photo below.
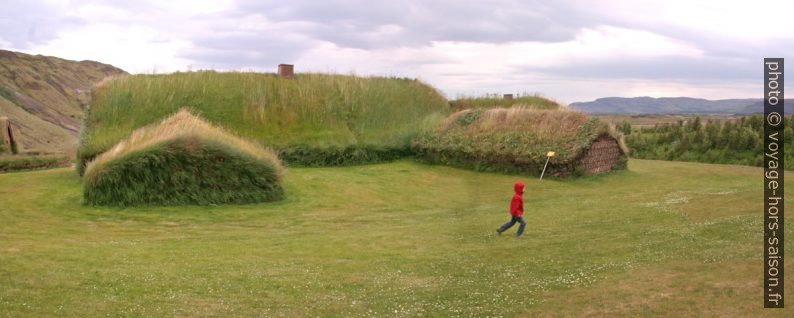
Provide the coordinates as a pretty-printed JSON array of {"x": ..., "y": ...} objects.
[{"x": 548, "y": 157}]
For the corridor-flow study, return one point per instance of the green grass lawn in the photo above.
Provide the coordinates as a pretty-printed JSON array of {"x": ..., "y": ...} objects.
[{"x": 397, "y": 239}]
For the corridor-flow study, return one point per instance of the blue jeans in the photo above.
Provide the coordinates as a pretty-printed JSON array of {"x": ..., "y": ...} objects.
[{"x": 512, "y": 222}]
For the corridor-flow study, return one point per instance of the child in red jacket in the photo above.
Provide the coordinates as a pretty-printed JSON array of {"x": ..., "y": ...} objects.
[{"x": 516, "y": 211}]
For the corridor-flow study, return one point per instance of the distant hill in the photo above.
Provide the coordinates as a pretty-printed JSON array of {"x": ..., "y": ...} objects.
[
  {"x": 44, "y": 97},
  {"x": 674, "y": 105}
]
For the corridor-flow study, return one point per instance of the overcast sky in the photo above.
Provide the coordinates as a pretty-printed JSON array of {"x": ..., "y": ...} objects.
[{"x": 568, "y": 50}]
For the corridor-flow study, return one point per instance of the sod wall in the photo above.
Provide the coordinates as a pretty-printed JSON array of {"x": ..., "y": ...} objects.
[
  {"x": 311, "y": 119},
  {"x": 183, "y": 160}
]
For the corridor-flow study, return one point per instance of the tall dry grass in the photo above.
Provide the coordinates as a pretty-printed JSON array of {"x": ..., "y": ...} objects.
[
  {"x": 182, "y": 125},
  {"x": 526, "y": 100},
  {"x": 183, "y": 160},
  {"x": 512, "y": 139},
  {"x": 546, "y": 124},
  {"x": 309, "y": 111}
]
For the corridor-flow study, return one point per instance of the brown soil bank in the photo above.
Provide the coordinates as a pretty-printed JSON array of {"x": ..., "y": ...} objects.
[{"x": 44, "y": 98}]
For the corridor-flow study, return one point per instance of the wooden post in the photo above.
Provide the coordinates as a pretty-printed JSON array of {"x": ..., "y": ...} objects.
[
  {"x": 544, "y": 168},
  {"x": 286, "y": 70},
  {"x": 548, "y": 157},
  {"x": 7, "y": 135}
]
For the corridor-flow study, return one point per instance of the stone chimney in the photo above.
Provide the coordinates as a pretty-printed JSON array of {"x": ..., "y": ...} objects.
[
  {"x": 508, "y": 96},
  {"x": 286, "y": 71}
]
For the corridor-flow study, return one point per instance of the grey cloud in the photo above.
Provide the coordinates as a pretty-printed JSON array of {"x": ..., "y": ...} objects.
[
  {"x": 720, "y": 46},
  {"x": 242, "y": 50},
  {"x": 715, "y": 46},
  {"x": 297, "y": 26},
  {"x": 673, "y": 68},
  {"x": 353, "y": 23},
  {"x": 360, "y": 25},
  {"x": 356, "y": 24},
  {"x": 25, "y": 23}
]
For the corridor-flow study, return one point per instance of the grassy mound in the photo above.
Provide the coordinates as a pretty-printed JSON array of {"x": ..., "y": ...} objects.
[
  {"x": 30, "y": 162},
  {"x": 496, "y": 101},
  {"x": 183, "y": 160},
  {"x": 512, "y": 139},
  {"x": 314, "y": 119}
]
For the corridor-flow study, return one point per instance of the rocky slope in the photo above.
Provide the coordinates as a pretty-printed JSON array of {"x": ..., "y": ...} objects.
[{"x": 44, "y": 97}]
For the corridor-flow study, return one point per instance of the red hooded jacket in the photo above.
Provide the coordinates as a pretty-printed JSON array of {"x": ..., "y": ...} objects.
[{"x": 517, "y": 204}]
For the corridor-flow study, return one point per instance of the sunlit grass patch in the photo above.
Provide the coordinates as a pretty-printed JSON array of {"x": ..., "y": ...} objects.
[{"x": 395, "y": 240}]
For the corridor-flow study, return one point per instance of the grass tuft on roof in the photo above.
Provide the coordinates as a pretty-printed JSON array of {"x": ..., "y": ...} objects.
[{"x": 183, "y": 160}]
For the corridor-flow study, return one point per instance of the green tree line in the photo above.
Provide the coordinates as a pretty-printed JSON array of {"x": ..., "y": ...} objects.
[{"x": 728, "y": 142}]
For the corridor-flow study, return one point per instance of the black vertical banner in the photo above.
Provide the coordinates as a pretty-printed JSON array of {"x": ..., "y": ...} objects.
[{"x": 774, "y": 120}]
